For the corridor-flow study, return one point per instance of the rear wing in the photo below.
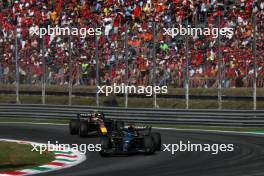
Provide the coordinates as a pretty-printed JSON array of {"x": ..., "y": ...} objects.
[
  {"x": 146, "y": 128},
  {"x": 88, "y": 115},
  {"x": 141, "y": 127},
  {"x": 83, "y": 115}
]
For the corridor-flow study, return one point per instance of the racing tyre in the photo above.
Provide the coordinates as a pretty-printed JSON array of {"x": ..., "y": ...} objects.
[
  {"x": 157, "y": 141},
  {"x": 149, "y": 145},
  {"x": 83, "y": 132},
  {"x": 119, "y": 125},
  {"x": 74, "y": 126},
  {"x": 105, "y": 145},
  {"x": 109, "y": 124}
]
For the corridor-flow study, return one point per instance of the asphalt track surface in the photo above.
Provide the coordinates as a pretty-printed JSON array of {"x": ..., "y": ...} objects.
[{"x": 246, "y": 160}]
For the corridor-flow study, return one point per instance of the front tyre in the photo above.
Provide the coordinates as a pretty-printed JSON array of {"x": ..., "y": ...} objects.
[
  {"x": 157, "y": 141},
  {"x": 105, "y": 145},
  {"x": 83, "y": 132},
  {"x": 149, "y": 145},
  {"x": 74, "y": 126}
]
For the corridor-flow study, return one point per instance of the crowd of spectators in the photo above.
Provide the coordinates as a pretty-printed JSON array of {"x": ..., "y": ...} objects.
[{"x": 75, "y": 57}]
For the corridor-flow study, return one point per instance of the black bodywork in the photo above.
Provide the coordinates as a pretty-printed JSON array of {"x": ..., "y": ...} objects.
[{"x": 131, "y": 141}]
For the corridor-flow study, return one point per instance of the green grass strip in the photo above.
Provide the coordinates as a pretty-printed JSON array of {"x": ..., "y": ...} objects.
[
  {"x": 40, "y": 168},
  {"x": 66, "y": 160},
  {"x": 62, "y": 152}
]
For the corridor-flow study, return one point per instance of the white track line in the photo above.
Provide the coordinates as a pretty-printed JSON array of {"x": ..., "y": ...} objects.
[{"x": 159, "y": 128}]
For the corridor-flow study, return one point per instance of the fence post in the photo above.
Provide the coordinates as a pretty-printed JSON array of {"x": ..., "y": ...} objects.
[
  {"x": 70, "y": 70},
  {"x": 219, "y": 61},
  {"x": 255, "y": 62},
  {"x": 43, "y": 73},
  {"x": 187, "y": 79},
  {"x": 17, "y": 69},
  {"x": 126, "y": 63},
  {"x": 97, "y": 70},
  {"x": 154, "y": 65}
]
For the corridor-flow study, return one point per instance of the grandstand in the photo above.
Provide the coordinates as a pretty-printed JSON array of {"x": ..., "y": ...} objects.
[{"x": 63, "y": 63}]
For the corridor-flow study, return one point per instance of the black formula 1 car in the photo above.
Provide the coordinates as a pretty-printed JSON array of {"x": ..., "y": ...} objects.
[
  {"x": 93, "y": 123},
  {"x": 131, "y": 140}
]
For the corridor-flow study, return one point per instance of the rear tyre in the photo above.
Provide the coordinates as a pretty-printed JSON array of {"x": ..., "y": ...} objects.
[
  {"x": 105, "y": 145},
  {"x": 74, "y": 126},
  {"x": 109, "y": 124},
  {"x": 83, "y": 132},
  {"x": 149, "y": 145},
  {"x": 157, "y": 141},
  {"x": 119, "y": 125}
]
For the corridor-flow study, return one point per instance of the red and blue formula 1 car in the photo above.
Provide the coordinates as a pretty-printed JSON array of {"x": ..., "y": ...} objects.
[{"x": 93, "y": 123}]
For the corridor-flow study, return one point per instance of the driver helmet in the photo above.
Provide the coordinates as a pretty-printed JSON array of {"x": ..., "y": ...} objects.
[
  {"x": 131, "y": 127},
  {"x": 94, "y": 114}
]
